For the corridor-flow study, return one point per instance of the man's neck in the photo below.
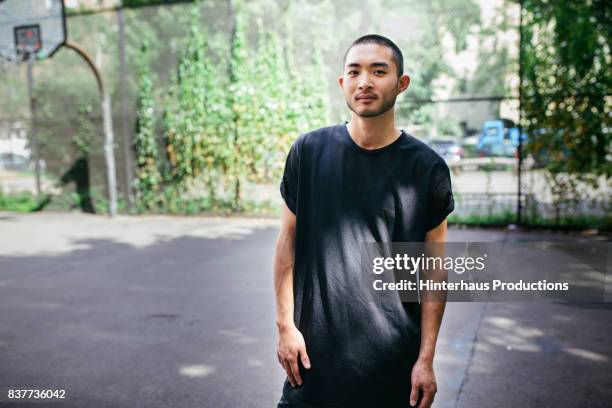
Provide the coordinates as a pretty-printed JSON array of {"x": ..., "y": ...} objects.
[{"x": 373, "y": 133}]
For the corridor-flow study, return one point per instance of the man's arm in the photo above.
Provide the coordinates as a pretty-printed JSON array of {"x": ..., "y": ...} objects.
[
  {"x": 291, "y": 344},
  {"x": 423, "y": 377}
]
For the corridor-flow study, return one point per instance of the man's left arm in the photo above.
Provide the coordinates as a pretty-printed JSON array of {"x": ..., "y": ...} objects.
[{"x": 423, "y": 378}]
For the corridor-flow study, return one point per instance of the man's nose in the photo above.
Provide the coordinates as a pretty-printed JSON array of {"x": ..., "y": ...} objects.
[{"x": 364, "y": 82}]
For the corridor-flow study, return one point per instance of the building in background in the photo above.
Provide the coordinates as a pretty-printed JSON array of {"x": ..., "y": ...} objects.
[
  {"x": 14, "y": 147},
  {"x": 499, "y": 50}
]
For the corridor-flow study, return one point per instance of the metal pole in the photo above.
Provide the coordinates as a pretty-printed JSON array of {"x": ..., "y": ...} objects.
[
  {"x": 127, "y": 148},
  {"x": 109, "y": 154},
  {"x": 33, "y": 141},
  {"x": 519, "y": 205},
  {"x": 111, "y": 173}
]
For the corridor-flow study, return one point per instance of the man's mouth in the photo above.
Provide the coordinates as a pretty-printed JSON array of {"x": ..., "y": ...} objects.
[{"x": 365, "y": 97}]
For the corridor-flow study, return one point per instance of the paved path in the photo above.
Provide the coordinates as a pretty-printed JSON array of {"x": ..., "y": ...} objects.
[{"x": 179, "y": 312}]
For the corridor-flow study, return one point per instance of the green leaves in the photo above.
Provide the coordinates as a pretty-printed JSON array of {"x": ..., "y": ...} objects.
[
  {"x": 148, "y": 177},
  {"x": 565, "y": 100},
  {"x": 230, "y": 115},
  {"x": 567, "y": 86}
]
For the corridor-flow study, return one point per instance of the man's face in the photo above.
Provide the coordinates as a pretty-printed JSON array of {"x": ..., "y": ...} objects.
[{"x": 369, "y": 81}]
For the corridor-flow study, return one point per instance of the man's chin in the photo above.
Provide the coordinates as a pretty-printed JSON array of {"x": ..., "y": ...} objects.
[
  {"x": 369, "y": 112},
  {"x": 365, "y": 112}
]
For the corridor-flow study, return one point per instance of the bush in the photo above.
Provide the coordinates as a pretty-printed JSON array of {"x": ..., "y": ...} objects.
[{"x": 21, "y": 202}]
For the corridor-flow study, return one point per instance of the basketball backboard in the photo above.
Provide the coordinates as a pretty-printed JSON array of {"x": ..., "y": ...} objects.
[{"x": 31, "y": 26}]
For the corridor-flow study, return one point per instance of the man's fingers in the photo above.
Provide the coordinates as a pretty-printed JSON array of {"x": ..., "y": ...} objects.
[
  {"x": 289, "y": 374},
  {"x": 414, "y": 394},
  {"x": 427, "y": 400},
  {"x": 296, "y": 371},
  {"x": 304, "y": 358}
]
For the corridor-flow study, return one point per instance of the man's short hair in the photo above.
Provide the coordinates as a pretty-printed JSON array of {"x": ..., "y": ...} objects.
[{"x": 397, "y": 55}]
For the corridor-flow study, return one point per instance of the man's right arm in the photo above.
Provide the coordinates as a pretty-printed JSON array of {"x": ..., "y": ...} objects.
[{"x": 291, "y": 344}]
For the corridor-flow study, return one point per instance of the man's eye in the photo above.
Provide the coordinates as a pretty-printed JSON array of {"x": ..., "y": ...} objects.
[
  {"x": 380, "y": 71},
  {"x": 352, "y": 72}
]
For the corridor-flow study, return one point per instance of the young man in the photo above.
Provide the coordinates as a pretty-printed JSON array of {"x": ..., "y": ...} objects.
[{"x": 365, "y": 181}]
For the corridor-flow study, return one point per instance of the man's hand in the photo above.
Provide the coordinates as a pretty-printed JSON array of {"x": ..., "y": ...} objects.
[
  {"x": 291, "y": 346},
  {"x": 423, "y": 379}
]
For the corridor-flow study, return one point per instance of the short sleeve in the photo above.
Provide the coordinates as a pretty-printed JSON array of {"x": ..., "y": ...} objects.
[
  {"x": 440, "y": 196},
  {"x": 289, "y": 183}
]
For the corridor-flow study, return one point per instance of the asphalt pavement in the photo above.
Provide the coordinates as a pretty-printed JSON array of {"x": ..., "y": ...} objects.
[{"x": 179, "y": 312}]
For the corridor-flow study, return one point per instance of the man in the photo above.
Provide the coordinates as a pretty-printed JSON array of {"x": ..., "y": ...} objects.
[{"x": 365, "y": 181}]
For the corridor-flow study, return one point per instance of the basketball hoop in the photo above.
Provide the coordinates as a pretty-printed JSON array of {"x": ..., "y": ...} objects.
[
  {"x": 28, "y": 39},
  {"x": 31, "y": 27},
  {"x": 36, "y": 29}
]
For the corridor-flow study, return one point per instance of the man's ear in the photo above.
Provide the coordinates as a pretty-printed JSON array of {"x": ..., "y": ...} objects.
[
  {"x": 403, "y": 83},
  {"x": 341, "y": 80}
]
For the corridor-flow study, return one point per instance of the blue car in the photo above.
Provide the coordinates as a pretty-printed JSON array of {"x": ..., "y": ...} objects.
[{"x": 499, "y": 138}]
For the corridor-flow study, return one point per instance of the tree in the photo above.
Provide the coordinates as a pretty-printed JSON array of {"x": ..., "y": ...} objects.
[
  {"x": 185, "y": 134},
  {"x": 148, "y": 177},
  {"x": 316, "y": 104},
  {"x": 424, "y": 55},
  {"x": 243, "y": 107},
  {"x": 566, "y": 90},
  {"x": 270, "y": 96}
]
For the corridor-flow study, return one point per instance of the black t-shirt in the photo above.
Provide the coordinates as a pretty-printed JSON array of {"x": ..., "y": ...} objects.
[{"x": 361, "y": 353}]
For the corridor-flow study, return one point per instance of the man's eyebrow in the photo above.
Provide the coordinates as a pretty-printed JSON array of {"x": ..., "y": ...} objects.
[
  {"x": 379, "y": 64},
  {"x": 374, "y": 64}
]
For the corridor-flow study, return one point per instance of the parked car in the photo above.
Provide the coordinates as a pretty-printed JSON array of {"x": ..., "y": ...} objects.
[
  {"x": 449, "y": 148},
  {"x": 14, "y": 162},
  {"x": 499, "y": 138}
]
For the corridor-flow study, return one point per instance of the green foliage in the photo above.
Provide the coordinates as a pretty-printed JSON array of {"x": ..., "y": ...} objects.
[
  {"x": 317, "y": 105},
  {"x": 448, "y": 126},
  {"x": 566, "y": 91},
  {"x": 424, "y": 56},
  {"x": 243, "y": 104},
  {"x": 20, "y": 202},
  {"x": 100, "y": 202},
  {"x": 505, "y": 218},
  {"x": 84, "y": 136},
  {"x": 501, "y": 218},
  {"x": 186, "y": 133},
  {"x": 567, "y": 84},
  {"x": 231, "y": 122},
  {"x": 271, "y": 100},
  {"x": 202, "y": 117},
  {"x": 495, "y": 66},
  {"x": 148, "y": 177},
  {"x": 603, "y": 223},
  {"x": 280, "y": 95}
]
